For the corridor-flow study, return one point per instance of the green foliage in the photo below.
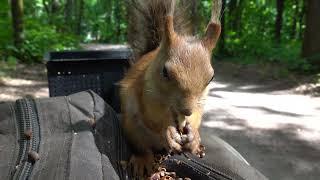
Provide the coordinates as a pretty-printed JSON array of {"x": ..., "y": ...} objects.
[
  {"x": 40, "y": 38},
  {"x": 249, "y": 27},
  {"x": 5, "y": 24},
  {"x": 50, "y": 26},
  {"x": 249, "y": 34},
  {"x": 106, "y": 21}
]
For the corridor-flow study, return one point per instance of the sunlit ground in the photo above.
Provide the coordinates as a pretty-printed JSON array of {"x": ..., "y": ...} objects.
[
  {"x": 24, "y": 81},
  {"x": 13, "y": 89},
  {"x": 266, "y": 110},
  {"x": 277, "y": 131}
]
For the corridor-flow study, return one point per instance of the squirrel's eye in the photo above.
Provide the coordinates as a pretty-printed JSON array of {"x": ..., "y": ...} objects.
[
  {"x": 165, "y": 73},
  {"x": 211, "y": 79}
]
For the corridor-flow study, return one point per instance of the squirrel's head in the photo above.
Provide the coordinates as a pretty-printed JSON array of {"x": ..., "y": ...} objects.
[{"x": 182, "y": 69}]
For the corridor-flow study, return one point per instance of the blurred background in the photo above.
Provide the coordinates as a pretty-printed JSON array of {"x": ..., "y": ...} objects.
[
  {"x": 254, "y": 31},
  {"x": 264, "y": 101}
]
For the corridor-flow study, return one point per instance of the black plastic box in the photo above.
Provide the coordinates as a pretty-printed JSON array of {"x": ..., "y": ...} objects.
[{"x": 74, "y": 71}]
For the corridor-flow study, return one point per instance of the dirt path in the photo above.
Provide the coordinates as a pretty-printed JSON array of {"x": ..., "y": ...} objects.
[
  {"x": 277, "y": 131},
  {"x": 25, "y": 80}
]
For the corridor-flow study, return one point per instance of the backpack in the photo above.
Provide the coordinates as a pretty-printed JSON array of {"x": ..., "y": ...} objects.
[{"x": 79, "y": 137}]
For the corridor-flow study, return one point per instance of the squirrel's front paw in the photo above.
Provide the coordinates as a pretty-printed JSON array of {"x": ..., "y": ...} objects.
[
  {"x": 186, "y": 141},
  {"x": 191, "y": 141},
  {"x": 174, "y": 140}
]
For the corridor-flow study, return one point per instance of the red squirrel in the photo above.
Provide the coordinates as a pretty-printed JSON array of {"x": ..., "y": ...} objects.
[{"x": 162, "y": 94}]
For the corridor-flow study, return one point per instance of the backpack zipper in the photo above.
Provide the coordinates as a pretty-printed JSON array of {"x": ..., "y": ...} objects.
[{"x": 29, "y": 138}]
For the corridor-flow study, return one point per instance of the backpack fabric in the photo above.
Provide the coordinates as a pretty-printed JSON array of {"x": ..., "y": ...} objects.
[{"x": 79, "y": 137}]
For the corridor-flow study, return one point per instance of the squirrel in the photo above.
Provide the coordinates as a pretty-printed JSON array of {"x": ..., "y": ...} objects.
[{"x": 162, "y": 93}]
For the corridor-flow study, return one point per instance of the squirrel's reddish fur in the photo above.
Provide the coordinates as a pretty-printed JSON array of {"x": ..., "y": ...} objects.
[{"x": 165, "y": 88}]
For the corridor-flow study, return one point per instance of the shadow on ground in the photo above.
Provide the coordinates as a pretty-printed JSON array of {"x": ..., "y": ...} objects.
[
  {"x": 279, "y": 153},
  {"x": 264, "y": 78},
  {"x": 276, "y": 130},
  {"x": 272, "y": 111}
]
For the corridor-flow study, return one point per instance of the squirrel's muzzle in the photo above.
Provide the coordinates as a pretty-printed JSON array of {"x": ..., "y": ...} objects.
[{"x": 186, "y": 105}]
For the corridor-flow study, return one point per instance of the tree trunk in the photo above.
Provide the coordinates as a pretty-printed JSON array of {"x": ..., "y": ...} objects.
[
  {"x": 238, "y": 17},
  {"x": 311, "y": 45},
  {"x": 232, "y": 14},
  {"x": 51, "y": 7},
  {"x": 294, "y": 21},
  {"x": 17, "y": 21},
  {"x": 302, "y": 15},
  {"x": 223, "y": 30},
  {"x": 80, "y": 15},
  {"x": 54, "y": 5},
  {"x": 46, "y": 7},
  {"x": 117, "y": 15},
  {"x": 278, "y": 24},
  {"x": 68, "y": 9}
]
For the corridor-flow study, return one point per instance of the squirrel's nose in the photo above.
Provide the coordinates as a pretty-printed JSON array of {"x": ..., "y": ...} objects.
[{"x": 186, "y": 112}]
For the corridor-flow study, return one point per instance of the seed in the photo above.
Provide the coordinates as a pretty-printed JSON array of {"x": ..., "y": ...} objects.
[
  {"x": 92, "y": 123},
  {"x": 202, "y": 148},
  {"x": 202, "y": 154},
  {"x": 177, "y": 161},
  {"x": 124, "y": 164},
  {"x": 172, "y": 174},
  {"x": 28, "y": 134},
  {"x": 155, "y": 176},
  {"x": 33, "y": 156}
]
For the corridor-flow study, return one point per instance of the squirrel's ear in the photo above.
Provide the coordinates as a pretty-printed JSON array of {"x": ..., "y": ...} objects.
[
  {"x": 211, "y": 36},
  {"x": 169, "y": 33}
]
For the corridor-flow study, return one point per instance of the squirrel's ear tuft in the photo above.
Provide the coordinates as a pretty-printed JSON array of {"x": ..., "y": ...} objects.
[
  {"x": 169, "y": 33},
  {"x": 212, "y": 35}
]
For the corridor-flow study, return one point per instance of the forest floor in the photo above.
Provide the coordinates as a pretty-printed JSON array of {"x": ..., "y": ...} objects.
[{"x": 273, "y": 123}]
